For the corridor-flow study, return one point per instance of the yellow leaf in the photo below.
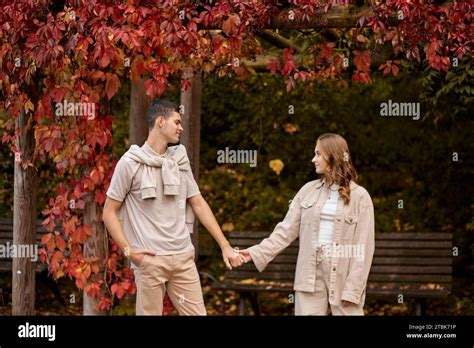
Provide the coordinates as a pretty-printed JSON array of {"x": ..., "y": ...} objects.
[
  {"x": 248, "y": 281},
  {"x": 59, "y": 274},
  {"x": 29, "y": 106},
  {"x": 228, "y": 227},
  {"x": 277, "y": 166}
]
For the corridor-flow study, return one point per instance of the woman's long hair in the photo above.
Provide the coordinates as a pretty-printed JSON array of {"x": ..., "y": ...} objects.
[{"x": 340, "y": 171}]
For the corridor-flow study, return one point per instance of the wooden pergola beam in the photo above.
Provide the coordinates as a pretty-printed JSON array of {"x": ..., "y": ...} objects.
[
  {"x": 341, "y": 17},
  {"x": 259, "y": 63},
  {"x": 278, "y": 40},
  {"x": 191, "y": 137},
  {"x": 336, "y": 17}
]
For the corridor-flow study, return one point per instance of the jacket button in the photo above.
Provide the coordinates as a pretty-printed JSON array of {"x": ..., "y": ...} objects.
[
  {"x": 338, "y": 219},
  {"x": 334, "y": 268}
]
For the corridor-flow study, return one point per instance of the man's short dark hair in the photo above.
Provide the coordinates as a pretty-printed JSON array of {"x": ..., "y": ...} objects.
[{"x": 159, "y": 107}]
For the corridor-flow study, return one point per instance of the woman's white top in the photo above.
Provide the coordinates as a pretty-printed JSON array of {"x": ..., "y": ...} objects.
[{"x": 328, "y": 215}]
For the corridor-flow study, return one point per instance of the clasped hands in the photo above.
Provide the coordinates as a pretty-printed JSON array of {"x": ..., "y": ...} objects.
[{"x": 235, "y": 257}]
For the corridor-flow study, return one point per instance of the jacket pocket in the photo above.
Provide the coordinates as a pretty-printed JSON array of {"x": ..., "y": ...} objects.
[
  {"x": 306, "y": 211},
  {"x": 349, "y": 227}
]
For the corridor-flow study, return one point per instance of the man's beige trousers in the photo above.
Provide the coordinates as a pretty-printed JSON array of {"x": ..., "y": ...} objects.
[{"x": 176, "y": 275}]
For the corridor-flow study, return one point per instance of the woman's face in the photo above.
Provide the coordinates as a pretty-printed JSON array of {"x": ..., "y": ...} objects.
[{"x": 319, "y": 162}]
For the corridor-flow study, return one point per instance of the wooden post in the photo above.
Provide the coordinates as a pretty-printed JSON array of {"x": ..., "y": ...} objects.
[
  {"x": 138, "y": 128},
  {"x": 191, "y": 122},
  {"x": 95, "y": 246},
  {"x": 24, "y": 220}
]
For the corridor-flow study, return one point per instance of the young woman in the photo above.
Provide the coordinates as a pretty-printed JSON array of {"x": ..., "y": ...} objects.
[{"x": 334, "y": 220}]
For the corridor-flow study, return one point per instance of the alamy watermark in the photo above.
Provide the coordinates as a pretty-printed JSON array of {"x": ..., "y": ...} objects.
[
  {"x": 400, "y": 109},
  {"x": 237, "y": 156},
  {"x": 348, "y": 251},
  {"x": 27, "y": 251},
  {"x": 37, "y": 331},
  {"x": 75, "y": 109}
]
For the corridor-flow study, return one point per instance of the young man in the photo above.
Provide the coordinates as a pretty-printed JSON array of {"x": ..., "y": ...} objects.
[{"x": 149, "y": 212}]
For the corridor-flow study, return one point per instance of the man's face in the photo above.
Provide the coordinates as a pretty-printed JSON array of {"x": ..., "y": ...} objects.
[{"x": 170, "y": 128}]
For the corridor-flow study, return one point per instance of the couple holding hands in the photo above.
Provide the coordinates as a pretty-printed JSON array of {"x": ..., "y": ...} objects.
[{"x": 153, "y": 198}]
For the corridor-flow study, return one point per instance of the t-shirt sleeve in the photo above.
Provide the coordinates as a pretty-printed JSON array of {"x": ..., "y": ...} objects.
[
  {"x": 121, "y": 181},
  {"x": 191, "y": 185}
]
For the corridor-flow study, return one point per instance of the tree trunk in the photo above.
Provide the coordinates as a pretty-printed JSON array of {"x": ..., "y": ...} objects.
[
  {"x": 95, "y": 246},
  {"x": 138, "y": 128},
  {"x": 191, "y": 122},
  {"x": 24, "y": 221}
]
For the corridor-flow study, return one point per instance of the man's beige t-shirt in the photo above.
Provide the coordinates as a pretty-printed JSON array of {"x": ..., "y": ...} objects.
[{"x": 157, "y": 224}]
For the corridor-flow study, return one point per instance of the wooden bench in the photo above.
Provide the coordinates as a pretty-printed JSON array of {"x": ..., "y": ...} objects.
[
  {"x": 6, "y": 236},
  {"x": 415, "y": 265}
]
